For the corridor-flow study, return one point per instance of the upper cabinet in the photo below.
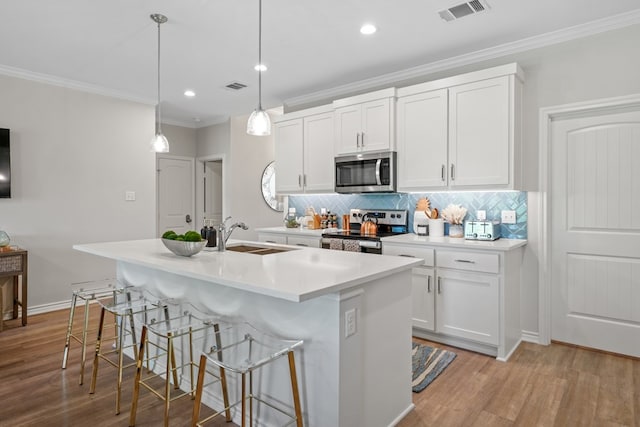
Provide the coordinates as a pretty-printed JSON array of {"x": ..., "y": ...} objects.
[
  {"x": 462, "y": 132},
  {"x": 365, "y": 122},
  {"x": 304, "y": 151}
]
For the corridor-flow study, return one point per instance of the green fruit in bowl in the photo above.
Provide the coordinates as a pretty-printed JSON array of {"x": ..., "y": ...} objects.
[
  {"x": 192, "y": 236},
  {"x": 170, "y": 234}
]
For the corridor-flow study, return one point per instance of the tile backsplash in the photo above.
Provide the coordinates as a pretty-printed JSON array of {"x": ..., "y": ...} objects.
[{"x": 493, "y": 202}]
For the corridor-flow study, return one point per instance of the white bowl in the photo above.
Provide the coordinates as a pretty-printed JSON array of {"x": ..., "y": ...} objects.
[{"x": 182, "y": 248}]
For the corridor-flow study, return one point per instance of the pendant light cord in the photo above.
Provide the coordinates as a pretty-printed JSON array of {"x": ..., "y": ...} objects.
[
  {"x": 259, "y": 55},
  {"x": 158, "y": 112}
]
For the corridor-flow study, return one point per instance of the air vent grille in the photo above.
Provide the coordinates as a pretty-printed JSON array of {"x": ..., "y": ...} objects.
[
  {"x": 463, "y": 9},
  {"x": 235, "y": 86}
]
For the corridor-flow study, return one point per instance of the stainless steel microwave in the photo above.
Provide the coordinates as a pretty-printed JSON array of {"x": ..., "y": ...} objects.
[{"x": 366, "y": 172}]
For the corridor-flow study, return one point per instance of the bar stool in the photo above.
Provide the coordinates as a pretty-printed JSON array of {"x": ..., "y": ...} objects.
[
  {"x": 88, "y": 292},
  {"x": 241, "y": 349},
  {"x": 127, "y": 304},
  {"x": 183, "y": 322}
]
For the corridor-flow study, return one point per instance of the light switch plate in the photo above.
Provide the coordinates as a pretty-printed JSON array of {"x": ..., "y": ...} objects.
[
  {"x": 481, "y": 215},
  {"x": 130, "y": 196},
  {"x": 350, "y": 323},
  {"x": 508, "y": 217}
]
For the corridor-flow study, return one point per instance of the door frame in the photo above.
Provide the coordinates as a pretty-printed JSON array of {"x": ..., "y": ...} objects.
[
  {"x": 546, "y": 117},
  {"x": 198, "y": 177},
  {"x": 193, "y": 185}
]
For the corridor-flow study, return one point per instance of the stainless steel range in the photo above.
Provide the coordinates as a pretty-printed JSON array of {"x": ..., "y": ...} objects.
[{"x": 349, "y": 238}]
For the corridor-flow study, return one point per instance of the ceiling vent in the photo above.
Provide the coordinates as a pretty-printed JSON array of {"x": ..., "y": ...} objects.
[
  {"x": 235, "y": 86},
  {"x": 463, "y": 9}
]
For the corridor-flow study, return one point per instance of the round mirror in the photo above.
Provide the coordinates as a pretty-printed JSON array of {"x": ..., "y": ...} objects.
[{"x": 269, "y": 188}]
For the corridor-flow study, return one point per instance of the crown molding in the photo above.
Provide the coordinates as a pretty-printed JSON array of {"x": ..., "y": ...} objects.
[
  {"x": 543, "y": 40},
  {"x": 71, "y": 84}
]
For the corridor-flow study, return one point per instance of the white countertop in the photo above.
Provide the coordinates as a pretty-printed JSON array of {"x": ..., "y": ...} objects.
[
  {"x": 454, "y": 243},
  {"x": 296, "y": 275},
  {"x": 298, "y": 231}
]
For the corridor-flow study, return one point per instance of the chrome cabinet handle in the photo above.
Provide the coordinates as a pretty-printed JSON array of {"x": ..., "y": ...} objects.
[
  {"x": 302, "y": 244},
  {"x": 299, "y": 180},
  {"x": 358, "y": 139},
  {"x": 439, "y": 285},
  {"x": 442, "y": 173},
  {"x": 304, "y": 179},
  {"x": 408, "y": 256},
  {"x": 362, "y": 140},
  {"x": 453, "y": 174},
  {"x": 465, "y": 261},
  {"x": 428, "y": 284}
]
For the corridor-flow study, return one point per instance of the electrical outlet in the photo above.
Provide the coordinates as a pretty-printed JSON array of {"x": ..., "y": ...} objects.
[
  {"x": 350, "y": 323},
  {"x": 130, "y": 196},
  {"x": 508, "y": 217},
  {"x": 481, "y": 215}
]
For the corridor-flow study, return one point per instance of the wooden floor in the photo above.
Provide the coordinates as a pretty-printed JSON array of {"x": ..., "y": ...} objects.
[{"x": 555, "y": 385}]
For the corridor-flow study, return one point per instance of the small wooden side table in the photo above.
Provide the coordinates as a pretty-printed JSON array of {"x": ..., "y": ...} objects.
[{"x": 14, "y": 263}]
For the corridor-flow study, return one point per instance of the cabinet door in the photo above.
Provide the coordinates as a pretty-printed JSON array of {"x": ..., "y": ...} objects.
[
  {"x": 289, "y": 155},
  {"x": 318, "y": 153},
  {"x": 280, "y": 239},
  {"x": 348, "y": 129},
  {"x": 422, "y": 141},
  {"x": 479, "y": 133},
  {"x": 376, "y": 132},
  {"x": 423, "y": 298},
  {"x": 305, "y": 241},
  {"x": 467, "y": 305}
]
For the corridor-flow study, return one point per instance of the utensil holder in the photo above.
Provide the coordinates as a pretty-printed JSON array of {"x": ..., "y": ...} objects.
[{"x": 436, "y": 227}]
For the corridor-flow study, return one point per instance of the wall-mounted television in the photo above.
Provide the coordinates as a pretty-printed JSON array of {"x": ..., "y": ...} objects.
[{"x": 5, "y": 164}]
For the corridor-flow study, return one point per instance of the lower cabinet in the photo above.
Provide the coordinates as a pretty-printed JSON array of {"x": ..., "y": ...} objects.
[
  {"x": 468, "y": 299},
  {"x": 286, "y": 239}
]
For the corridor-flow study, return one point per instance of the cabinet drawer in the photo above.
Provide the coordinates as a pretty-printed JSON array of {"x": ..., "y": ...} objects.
[
  {"x": 410, "y": 251},
  {"x": 311, "y": 242},
  {"x": 272, "y": 238},
  {"x": 469, "y": 261}
]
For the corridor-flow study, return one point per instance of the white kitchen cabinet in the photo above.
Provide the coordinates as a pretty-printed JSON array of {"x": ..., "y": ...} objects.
[
  {"x": 462, "y": 132},
  {"x": 422, "y": 298},
  {"x": 365, "y": 123},
  {"x": 465, "y": 298},
  {"x": 467, "y": 305},
  {"x": 294, "y": 237},
  {"x": 304, "y": 151}
]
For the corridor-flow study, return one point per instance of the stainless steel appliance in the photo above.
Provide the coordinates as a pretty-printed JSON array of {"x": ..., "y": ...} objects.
[
  {"x": 390, "y": 223},
  {"x": 366, "y": 172},
  {"x": 482, "y": 230}
]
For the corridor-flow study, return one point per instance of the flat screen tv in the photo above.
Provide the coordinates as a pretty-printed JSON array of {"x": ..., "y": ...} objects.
[{"x": 5, "y": 164}]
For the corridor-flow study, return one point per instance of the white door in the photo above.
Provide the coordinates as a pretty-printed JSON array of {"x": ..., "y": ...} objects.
[
  {"x": 175, "y": 195},
  {"x": 376, "y": 127},
  {"x": 348, "y": 122},
  {"x": 595, "y": 231},
  {"x": 213, "y": 191},
  {"x": 289, "y": 156},
  {"x": 422, "y": 298},
  {"x": 318, "y": 153}
]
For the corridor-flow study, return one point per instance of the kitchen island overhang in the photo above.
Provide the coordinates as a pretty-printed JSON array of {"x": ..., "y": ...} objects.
[{"x": 360, "y": 379}]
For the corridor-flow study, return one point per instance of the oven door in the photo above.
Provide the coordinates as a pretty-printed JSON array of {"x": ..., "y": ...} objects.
[
  {"x": 352, "y": 245},
  {"x": 362, "y": 173}
]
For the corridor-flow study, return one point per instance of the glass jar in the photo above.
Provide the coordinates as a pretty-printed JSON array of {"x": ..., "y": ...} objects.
[{"x": 4, "y": 239}]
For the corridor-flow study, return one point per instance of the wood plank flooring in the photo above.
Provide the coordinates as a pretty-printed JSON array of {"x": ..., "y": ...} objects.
[{"x": 554, "y": 385}]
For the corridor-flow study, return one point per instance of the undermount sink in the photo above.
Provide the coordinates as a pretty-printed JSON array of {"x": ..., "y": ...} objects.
[{"x": 257, "y": 250}]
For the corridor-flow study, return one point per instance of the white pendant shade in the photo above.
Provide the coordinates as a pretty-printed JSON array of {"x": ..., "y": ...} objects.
[
  {"x": 259, "y": 123},
  {"x": 159, "y": 144}
]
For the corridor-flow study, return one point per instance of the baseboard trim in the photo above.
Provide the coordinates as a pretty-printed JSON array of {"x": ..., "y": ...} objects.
[
  {"x": 532, "y": 337},
  {"x": 403, "y": 414}
]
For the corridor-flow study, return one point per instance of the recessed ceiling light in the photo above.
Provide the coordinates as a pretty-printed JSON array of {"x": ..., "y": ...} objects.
[
  {"x": 189, "y": 93},
  {"x": 368, "y": 29},
  {"x": 260, "y": 67}
]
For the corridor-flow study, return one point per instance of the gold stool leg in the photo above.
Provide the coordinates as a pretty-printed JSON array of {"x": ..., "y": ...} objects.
[
  {"x": 94, "y": 376},
  {"x": 244, "y": 400},
  {"x": 120, "y": 328},
  {"x": 294, "y": 388},
  {"x": 136, "y": 381},
  {"x": 67, "y": 341},
  {"x": 85, "y": 329},
  {"x": 199, "y": 386}
]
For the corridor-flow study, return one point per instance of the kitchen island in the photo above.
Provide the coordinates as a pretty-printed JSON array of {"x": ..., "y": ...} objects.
[{"x": 348, "y": 376}]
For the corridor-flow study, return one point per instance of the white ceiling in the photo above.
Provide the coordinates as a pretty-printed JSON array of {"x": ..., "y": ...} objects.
[{"x": 110, "y": 46}]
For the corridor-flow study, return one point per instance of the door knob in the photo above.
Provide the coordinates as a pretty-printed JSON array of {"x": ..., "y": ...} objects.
[{"x": 188, "y": 218}]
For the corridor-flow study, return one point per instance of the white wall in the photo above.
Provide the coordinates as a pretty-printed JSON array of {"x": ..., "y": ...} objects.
[
  {"x": 74, "y": 155},
  {"x": 244, "y": 159},
  {"x": 182, "y": 140}
]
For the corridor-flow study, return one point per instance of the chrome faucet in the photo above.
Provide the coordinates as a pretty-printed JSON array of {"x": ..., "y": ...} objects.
[{"x": 224, "y": 233}]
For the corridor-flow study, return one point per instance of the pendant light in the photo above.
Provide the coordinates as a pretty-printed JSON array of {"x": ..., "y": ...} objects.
[
  {"x": 159, "y": 143},
  {"x": 259, "y": 123}
]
